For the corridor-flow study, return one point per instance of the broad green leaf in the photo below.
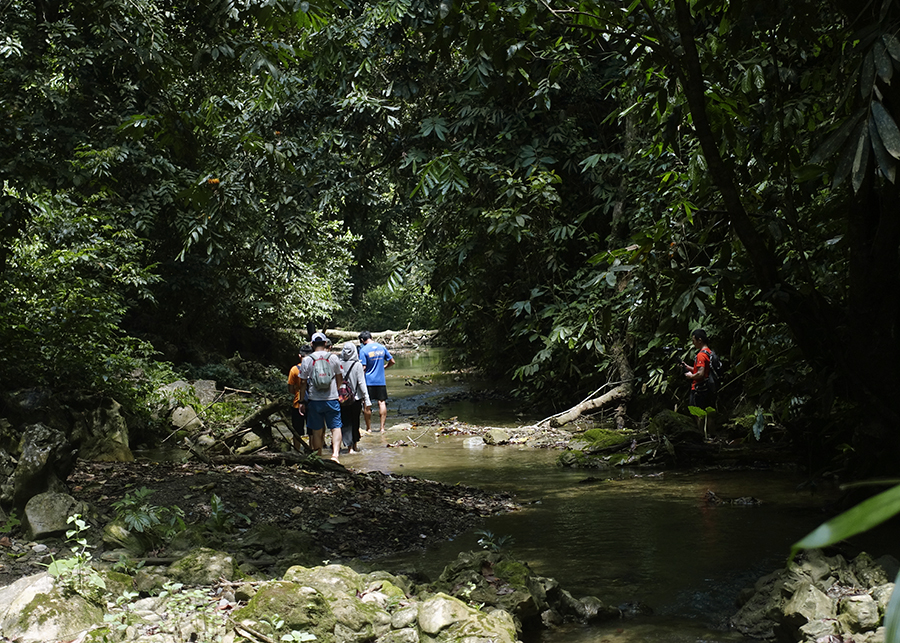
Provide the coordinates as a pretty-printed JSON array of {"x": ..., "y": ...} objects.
[
  {"x": 864, "y": 516},
  {"x": 892, "y": 616},
  {"x": 887, "y": 129},
  {"x": 883, "y": 65},
  {"x": 867, "y": 75},
  {"x": 845, "y": 165},
  {"x": 892, "y": 44},
  {"x": 696, "y": 410},
  {"x": 834, "y": 142},
  {"x": 885, "y": 161},
  {"x": 861, "y": 160}
]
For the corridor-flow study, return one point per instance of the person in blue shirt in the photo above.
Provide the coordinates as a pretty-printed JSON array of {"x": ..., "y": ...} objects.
[{"x": 375, "y": 358}]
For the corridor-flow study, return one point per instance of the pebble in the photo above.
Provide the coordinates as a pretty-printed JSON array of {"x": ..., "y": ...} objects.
[{"x": 40, "y": 549}]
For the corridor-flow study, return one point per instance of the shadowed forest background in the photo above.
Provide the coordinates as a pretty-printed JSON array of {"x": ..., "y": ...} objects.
[{"x": 564, "y": 190}]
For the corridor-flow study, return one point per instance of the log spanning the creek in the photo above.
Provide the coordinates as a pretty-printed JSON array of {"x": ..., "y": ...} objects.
[{"x": 620, "y": 393}]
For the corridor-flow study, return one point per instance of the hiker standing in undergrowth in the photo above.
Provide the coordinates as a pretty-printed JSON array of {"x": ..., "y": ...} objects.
[
  {"x": 703, "y": 390},
  {"x": 320, "y": 374}
]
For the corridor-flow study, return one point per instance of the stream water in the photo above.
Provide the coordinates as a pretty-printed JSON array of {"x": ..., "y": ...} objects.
[{"x": 620, "y": 535}]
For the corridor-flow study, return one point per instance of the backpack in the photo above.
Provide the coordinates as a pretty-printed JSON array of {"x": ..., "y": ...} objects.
[
  {"x": 716, "y": 372},
  {"x": 322, "y": 373},
  {"x": 346, "y": 395}
]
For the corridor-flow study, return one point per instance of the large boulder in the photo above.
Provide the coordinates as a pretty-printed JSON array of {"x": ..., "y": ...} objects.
[
  {"x": 46, "y": 458},
  {"x": 101, "y": 432},
  {"x": 203, "y": 566},
  {"x": 35, "y": 610},
  {"x": 47, "y": 514}
]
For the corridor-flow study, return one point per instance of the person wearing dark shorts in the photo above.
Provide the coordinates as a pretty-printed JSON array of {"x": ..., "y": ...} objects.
[
  {"x": 375, "y": 358},
  {"x": 298, "y": 420},
  {"x": 703, "y": 395}
]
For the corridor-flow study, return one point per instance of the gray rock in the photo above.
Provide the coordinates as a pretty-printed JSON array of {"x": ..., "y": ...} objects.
[
  {"x": 406, "y": 635},
  {"x": 45, "y": 461},
  {"x": 869, "y": 572},
  {"x": 332, "y": 580},
  {"x": 807, "y": 604},
  {"x": 496, "y": 437},
  {"x": 206, "y": 391},
  {"x": 102, "y": 431},
  {"x": 33, "y": 610},
  {"x": 203, "y": 567},
  {"x": 440, "y": 612},
  {"x": 859, "y": 613},
  {"x": 404, "y": 617},
  {"x": 184, "y": 418},
  {"x": 250, "y": 442},
  {"x": 819, "y": 629},
  {"x": 47, "y": 514},
  {"x": 882, "y": 595}
]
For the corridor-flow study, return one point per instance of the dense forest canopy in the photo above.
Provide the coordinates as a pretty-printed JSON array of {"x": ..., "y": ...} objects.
[{"x": 552, "y": 184}]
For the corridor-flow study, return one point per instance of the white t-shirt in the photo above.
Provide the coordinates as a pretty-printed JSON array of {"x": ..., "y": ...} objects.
[{"x": 306, "y": 370}]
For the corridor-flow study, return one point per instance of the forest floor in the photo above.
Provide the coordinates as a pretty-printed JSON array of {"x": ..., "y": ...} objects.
[{"x": 348, "y": 514}]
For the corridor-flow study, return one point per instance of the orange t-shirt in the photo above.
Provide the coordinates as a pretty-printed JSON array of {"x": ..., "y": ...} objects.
[
  {"x": 702, "y": 360},
  {"x": 294, "y": 380}
]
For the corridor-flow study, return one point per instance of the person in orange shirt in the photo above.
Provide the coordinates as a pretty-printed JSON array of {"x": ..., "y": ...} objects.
[{"x": 298, "y": 419}]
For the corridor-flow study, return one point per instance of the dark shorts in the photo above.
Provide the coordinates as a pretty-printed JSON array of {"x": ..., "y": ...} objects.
[
  {"x": 703, "y": 398},
  {"x": 378, "y": 393},
  {"x": 298, "y": 422}
]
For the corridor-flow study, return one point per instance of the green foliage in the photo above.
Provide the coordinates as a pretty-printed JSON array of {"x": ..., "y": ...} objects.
[
  {"x": 220, "y": 519},
  {"x": 492, "y": 542},
  {"x": 63, "y": 295},
  {"x": 75, "y": 574},
  {"x": 138, "y": 514},
  {"x": 12, "y": 521}
]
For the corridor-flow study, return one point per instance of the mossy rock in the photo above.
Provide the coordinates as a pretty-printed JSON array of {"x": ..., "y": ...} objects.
[
  {"x": 678, "y": 428},
  {"x": 604, "y": 438},
  {"x": 302, "y": 608},
  {"x": 34, "y": 610},
  {"x": 203, "y": 566},
  {"x": 330, "y": 580},
  {"x": 581, "y": 460}
]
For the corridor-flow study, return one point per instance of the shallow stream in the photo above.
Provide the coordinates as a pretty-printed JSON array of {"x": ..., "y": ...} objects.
[{"x": 621, "y": 535}]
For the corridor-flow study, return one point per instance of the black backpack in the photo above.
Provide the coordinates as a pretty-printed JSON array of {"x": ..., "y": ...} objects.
[{"x": 716, "y": 372}]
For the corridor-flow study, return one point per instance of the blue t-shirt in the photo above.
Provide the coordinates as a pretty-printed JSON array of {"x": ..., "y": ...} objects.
[{"x": 373, "y": 356}]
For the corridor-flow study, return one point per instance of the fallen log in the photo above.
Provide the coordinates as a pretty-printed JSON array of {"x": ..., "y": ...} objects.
[{"x": 620, "y": 393}]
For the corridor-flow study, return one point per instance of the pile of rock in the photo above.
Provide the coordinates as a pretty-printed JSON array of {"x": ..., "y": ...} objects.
[
  {"x": 483, "y": 596},
  {"x": 820, "y": 598}
]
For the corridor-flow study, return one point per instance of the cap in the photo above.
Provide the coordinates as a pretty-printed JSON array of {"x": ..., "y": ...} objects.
[
  {"x": 319, "y": 338},
  {"x": 306, "y": 349}
]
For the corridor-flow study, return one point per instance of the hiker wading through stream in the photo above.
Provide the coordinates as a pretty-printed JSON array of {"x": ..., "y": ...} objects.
[
  {"x": 703, "y": 394},
  {"x": 320, "y": 375},
  {"x": 298, "y": 420},
  {"x": 375, "y": 358},
  {"x": 355, "y": 378}
]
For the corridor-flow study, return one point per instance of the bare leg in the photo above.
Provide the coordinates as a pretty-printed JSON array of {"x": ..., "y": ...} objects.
[
  {"x": 382, "y": 410},
  {"x": 367, "y": 414},
  {"x": 336, "y": 438},
  {"x": 317, "y": 441}
]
